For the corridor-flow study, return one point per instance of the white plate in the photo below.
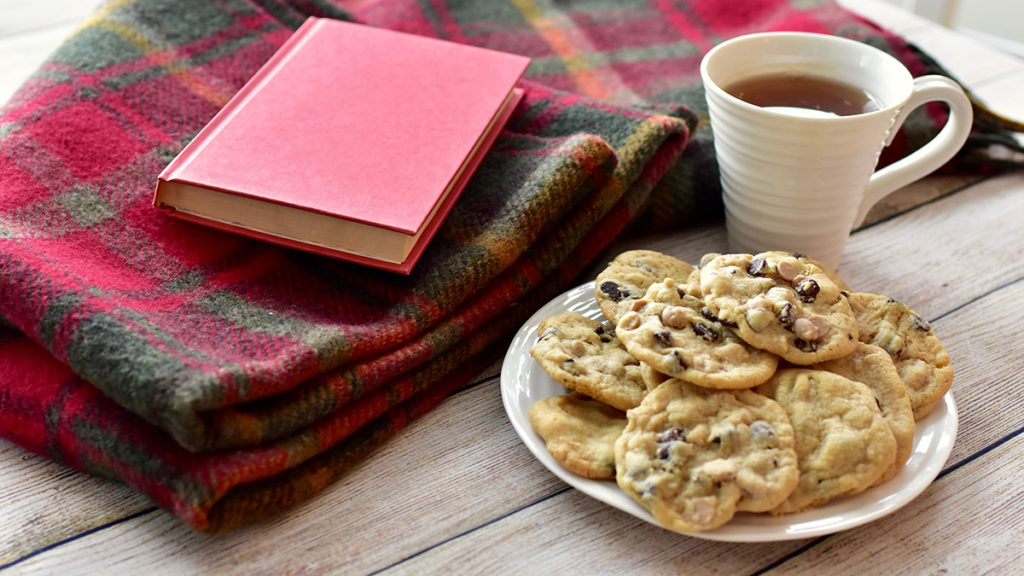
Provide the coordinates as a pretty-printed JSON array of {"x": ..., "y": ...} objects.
[{"x": 523, "y": 382}]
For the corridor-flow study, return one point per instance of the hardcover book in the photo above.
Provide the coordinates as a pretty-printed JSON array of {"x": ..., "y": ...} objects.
[{"x": 351, "y": 141}]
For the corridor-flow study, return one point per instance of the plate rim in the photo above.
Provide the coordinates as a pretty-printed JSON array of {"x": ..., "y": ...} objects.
[{"x": 937, "y": 430}]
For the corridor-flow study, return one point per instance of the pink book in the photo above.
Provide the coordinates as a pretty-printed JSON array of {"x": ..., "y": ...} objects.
[{"x": 351, "y": 141}]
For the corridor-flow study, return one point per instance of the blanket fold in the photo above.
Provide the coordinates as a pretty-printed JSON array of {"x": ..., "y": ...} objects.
[{"x": 230, "y": 379}]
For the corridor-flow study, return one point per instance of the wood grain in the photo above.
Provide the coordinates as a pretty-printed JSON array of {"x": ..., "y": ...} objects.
[
  {"x": 43, "y": 503},
  {"x": 959, "y": 526}
]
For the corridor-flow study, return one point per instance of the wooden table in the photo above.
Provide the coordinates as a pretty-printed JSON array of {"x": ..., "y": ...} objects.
[{"x": 457, "y": 491}]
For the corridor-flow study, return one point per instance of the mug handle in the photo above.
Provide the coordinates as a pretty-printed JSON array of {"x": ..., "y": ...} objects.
[{"x": 932, "y": 155}]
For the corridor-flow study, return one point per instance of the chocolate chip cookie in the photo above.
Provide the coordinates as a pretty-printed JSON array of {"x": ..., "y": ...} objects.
[
  {"x": 843, "y": 443},
  {"x": 919, "y": 356},
  {"x": 873, "y": 367},
  {"x": 579, "y": 433},
  {"x": 676, "y": 334},
  {"x": 693, "y": 456},
  {"x": 584, "y": 355},
  {"x": 782, "y": 303},
  {"x": 628, "y": 276}
]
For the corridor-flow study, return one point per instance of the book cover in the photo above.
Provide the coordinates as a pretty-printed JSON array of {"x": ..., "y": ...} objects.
[{"x": 351, "y": 141}]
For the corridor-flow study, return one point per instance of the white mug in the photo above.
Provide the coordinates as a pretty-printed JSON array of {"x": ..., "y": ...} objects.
[{"x": 800, "y": 180}]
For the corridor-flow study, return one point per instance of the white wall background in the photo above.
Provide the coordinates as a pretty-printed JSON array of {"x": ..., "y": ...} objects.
[{"x": 1000, "y": 22}]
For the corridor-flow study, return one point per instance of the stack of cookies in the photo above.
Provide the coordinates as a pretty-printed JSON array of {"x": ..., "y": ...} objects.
[{"x": 752, "y": 383}]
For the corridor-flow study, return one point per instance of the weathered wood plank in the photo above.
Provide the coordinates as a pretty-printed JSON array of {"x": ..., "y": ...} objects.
[
  {"x": 968, "y": 522},
  {"x": 944, "y": 254},
  {"x": 989, "y": 380},
  {"x": 574, "y": 534},
  {"x": 43, "y": 503}
]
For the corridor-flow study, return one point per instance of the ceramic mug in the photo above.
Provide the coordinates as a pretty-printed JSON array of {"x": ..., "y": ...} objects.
[{"x": 799, "y": 179}]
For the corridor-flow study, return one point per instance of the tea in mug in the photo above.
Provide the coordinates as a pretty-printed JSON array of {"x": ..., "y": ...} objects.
[{"x": 803, "y": 91}]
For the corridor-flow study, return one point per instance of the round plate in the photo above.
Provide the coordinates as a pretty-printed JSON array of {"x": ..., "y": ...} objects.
[{"x": 523, "y": 382}]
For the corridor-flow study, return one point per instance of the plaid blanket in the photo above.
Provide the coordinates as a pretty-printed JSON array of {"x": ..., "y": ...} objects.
[{"x": 229, "y": 379}]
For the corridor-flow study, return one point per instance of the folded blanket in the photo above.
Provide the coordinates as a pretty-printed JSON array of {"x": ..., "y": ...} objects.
[{"x": 229, "y": 379}]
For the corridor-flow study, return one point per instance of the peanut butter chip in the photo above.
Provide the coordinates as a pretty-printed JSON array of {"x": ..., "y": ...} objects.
[
  {"x": 577, "y": 349},
  {"x": 630, "y": 321},
  {"x": 811, "y": 328},
  {"x": 780, "y": 294},
  {"x": 789, "y": 269},
  {"x": 821, "y": 323},
  {"x": 674, "y": 317},
  {"x": 805, "y": 329}
]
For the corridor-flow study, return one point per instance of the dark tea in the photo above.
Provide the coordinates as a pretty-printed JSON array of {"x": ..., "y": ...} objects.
[{"x": 803, "y": 91}]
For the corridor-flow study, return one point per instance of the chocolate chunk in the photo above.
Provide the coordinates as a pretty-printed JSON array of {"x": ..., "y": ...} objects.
[
  {"x": 706, "y": 332},
  {"x": 664, "y": 337},
  {"x": 707, "y": 313},
  {"x": 804, "y": 345},
  {"x": 807, "y": 289},
  {"x": 614, "y": 291},
  {"x": 605, "y": 333},
  {"x": 645, "y": 266},
  {"x": 569, "y": 365},
  {"x": 787, "y": 315},
  {"x": 666, "y": 439},
  {"x": 757, "y": 266},
  {"x": 672, "y": 435}
]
